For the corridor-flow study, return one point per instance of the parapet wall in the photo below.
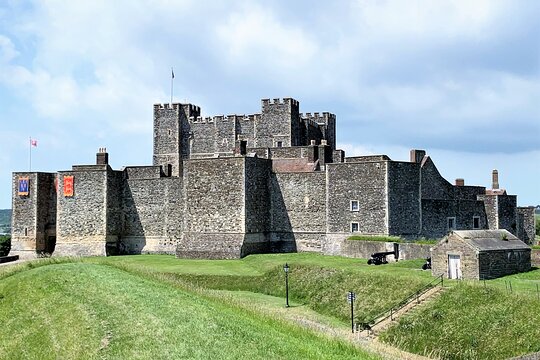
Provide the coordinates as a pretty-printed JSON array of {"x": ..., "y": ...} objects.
[{"x": 364, "y": 249}]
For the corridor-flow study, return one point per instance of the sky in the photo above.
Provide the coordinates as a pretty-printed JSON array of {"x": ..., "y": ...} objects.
[{"x": 459, "y": 79}]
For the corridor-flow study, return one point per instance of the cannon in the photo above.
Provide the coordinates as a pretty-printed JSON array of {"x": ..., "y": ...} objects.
[
  {"x": 427, "y": 265},
  {"x": 380, "y": 258}
]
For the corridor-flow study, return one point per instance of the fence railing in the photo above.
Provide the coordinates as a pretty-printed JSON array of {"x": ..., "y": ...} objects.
[{"x": 389, "y": 313}]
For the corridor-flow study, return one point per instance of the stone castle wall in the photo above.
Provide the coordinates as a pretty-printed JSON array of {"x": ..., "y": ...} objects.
[
  {"x": 298, "y": 210},
  {"x": 404, "y": 202},
  {"x": 34, "y": 215},
  {"x": 152, "y": 215},
  {"x": 83, "y": 226},
  {"x": 365, "y": 183},
  {"x": 291, "y": 190},
  {"x": 526, "y": 224},
  {"x": 214, "y": 213}
]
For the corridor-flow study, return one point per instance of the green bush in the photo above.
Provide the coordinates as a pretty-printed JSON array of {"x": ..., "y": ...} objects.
[
  {"x": 538, "y": 225},
  {"x": 5, "y": 245},
  {"x": 385, "y": 238}
]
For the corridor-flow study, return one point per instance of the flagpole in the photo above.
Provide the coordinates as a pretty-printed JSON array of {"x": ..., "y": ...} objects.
[
  {"x": 30, "y": 144},
  {"x": 172, "y": 78}
]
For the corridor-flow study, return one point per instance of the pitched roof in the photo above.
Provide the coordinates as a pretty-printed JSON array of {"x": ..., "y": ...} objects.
[{"x": 486, "y": 240}]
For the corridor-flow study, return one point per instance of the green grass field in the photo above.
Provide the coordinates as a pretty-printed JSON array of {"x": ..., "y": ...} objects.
[
  {"x": 85, "y": 311},
  {"x": 161, "y": 307},
  {"x": 471, "y": 322}
]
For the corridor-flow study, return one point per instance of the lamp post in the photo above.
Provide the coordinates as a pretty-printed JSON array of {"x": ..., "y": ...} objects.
[
  {"x": 351, "y": 296},
  {"x": 286, "y": 269}
]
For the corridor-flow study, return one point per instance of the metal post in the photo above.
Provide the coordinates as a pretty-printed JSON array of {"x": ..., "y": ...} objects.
[
  {"x": 352, "y": 316},
  {"x": 351, "y": 296},
  {"x": 286, "y": 269},
  {"x": 287, "y": 288},
  {"x": 537, "y": 292}
]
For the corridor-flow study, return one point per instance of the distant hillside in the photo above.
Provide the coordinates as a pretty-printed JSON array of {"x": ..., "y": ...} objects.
[{"x": 5, "y": 221}]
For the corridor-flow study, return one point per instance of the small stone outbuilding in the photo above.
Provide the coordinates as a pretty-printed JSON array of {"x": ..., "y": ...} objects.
[{"x": 479, "y": 254}]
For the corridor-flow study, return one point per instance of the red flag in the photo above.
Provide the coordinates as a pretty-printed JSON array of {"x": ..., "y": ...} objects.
[{"x": 33, "y": 142}]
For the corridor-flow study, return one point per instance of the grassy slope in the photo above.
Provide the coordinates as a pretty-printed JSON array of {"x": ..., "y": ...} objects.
[
  {"x": 320, "y": 282},
  {"x": 471, "y": 322},
  {"x": 83, "y": 310},
  {"x": 457, "y": 325}
]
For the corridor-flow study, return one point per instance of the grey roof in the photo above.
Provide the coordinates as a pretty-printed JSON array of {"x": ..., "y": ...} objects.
[{"x": 486, "y": 240}]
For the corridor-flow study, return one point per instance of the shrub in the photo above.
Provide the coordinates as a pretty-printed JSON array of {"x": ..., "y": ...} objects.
[
  {"x": 5, "y": 245},
  {"x": 375, "y": 238}
]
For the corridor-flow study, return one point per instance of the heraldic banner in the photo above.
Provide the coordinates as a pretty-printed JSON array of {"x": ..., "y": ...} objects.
[
  {"x": 68, "y": 186},
  {"x": 24, "y": 186}
]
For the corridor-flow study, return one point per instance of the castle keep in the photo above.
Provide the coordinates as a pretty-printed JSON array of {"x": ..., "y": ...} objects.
[{"x": 229, "y": 186}]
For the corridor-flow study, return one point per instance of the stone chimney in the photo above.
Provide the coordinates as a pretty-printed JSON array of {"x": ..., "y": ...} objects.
[
  {"x": 102, "y": 157},
  {"x": 312, "y": 152},
  {"x": 495, "y": 180},
  {"x": 416, "y": 155},
  {"x": 460, "y": 182}
]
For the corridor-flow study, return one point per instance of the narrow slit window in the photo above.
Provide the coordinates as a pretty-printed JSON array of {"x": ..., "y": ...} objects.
[
  {"x": 476, "y": 222},
  {"x": 451, "y": 223}
]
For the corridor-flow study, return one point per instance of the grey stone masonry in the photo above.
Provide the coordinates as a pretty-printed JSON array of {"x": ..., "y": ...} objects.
[
  {"x": 526, "y": 229},
  {"x": 481, "y": 254},
  {"x": 231, "y": 185},
  {"x": 34, "y": 215},
  {"x": 365, "y": 183}
]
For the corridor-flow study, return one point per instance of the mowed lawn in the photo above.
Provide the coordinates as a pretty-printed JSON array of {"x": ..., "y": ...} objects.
[{"x": 82, "y": 310}]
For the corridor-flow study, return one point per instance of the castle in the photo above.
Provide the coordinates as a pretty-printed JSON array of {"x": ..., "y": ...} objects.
[{"x": 229, "y": 186}]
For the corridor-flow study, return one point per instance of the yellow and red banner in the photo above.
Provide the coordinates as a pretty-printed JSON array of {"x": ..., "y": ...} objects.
[
  {"x": 68, "y": 186},
  {"x": 23, "y": 187}
]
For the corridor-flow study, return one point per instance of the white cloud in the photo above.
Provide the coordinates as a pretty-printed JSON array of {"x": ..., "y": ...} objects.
[
  {"x": 254, "y": 34},
  {"x": 447, "y": 18},
  {"x": 7, "y": 49}
]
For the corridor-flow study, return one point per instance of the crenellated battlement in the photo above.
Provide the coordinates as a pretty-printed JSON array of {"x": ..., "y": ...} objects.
[
  {"x": 219, "y": 118},
  {"x": 177, "y": 106},
  {"x": 280, "y": 101},
  {"x": 318, "y": 117}
]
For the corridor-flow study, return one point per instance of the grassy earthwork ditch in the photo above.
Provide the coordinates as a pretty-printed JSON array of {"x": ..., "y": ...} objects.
[{"x": 159, "y": 307}]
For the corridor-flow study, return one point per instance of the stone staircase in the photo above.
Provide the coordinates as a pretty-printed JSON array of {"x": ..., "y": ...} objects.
[
  {"x": 387, "y": 321},
  {"x": 388, "y": 317}
]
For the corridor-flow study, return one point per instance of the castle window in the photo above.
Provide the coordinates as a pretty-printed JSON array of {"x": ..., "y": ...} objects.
[
  {"x": 451, "y": 223},
  {"x": 279, "y": 143},
  {"x": 354, "y": 227},
  {"x": 170, "y": 132},
  {"x": 476, "y": 222},
  {"x": 354, "y": 205},
  {"x": 25, "y": 231}
]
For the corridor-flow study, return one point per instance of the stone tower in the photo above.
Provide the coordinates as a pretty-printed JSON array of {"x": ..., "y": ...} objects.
[{"x": 172, "y": 136}]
